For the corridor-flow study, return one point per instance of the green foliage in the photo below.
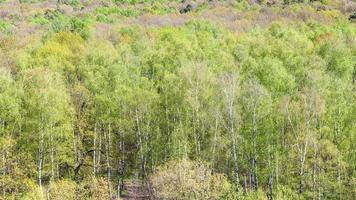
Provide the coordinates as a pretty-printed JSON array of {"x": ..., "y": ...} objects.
[
  {"x": 253, "y": 103},
  {"x": 60, "y": 22},
  {"x": 159, "y": 8},
  {"x": 258, "y": 195},
  {"x": 186, "y": 180},
  {"x": 244, "y": 6},
  {"x": 107, "y": 12},
  {"x": 139, "y": 1},
  {"x": 34, "y": 193},
  {"x": 61, "y": 53},
  {"x": 62, "y": 189},
  {"x": 50, "y": 116},
  {"x": 9, "y": 94},
  {"x": 75, "y": 3},
  {"x": 94, "y": 188},
  {"x": 57, "y": 20},
  {"x": 285, "y": 193},
  {"x": 5, "y": 27}
]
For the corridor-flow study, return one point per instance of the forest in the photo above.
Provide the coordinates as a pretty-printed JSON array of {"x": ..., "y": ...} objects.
[{"x": 177, "y": 100}]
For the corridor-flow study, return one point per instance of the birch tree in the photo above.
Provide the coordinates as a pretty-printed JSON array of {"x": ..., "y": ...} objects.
[{"x": 230, "y": 89}]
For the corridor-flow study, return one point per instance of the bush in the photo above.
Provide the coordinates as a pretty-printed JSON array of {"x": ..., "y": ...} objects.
[
  {"x": 190, "y": 180},
  {"x": 258, "y": 195},
  {"x": 34, "y": 192},
  {"x": 284, "y": 193},
  {"x": 159, "y": 8},
  {"x": 59, "y": 22},
  {"x": 95, "y": 189},
  {"x": 5, "y": 27},
  {"x": 79, "y": 26},
  {"x": 127, "y": 12},
  {"x": 62, "y": 190}
]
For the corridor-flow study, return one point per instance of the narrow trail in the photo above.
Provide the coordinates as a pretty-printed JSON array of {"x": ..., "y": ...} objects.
[{"x": 135, "y": 190}]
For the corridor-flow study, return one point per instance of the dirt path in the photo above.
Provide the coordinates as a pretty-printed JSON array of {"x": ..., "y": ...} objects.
[{"x": 135, "y": 190}]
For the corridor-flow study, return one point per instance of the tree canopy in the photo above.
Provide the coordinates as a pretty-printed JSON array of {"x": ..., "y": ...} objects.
[{"x": 230, "y": 100}]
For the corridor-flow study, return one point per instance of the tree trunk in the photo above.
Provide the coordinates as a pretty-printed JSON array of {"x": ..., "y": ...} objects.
[
  {"x": 302, "y": 156},
  {"x": 139, "y": 138},
  {"x": 121, "y": 170},
  {"x": 3, "y": 160},
  {"x": 41, "y": 153},
  {"x": 214, "y": 143},
  {"x": 254, "y": 157},
  {"x": 314, "y": 170},
  {"x": 108, "y": 165},
  {"x": 234, "y": 145},
  {"x": 94, "y": 151},
  {"x": 230, "y": 89},
  {"x": 270, "y": 187},
  {"x": 40, "y": 161},
  {"x": 4, "y": 173},
  {"x": 99, "y": 153},
  {"x": 52, "y": 155}
]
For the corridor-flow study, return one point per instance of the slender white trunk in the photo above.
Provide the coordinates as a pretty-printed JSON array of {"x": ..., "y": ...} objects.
[
  {"x": 52, "y": 156},
  {"x": 302, "y": 155},
  {"x": 168, "y": 128},
  {"x": 234, "y": 145},
  {"x": 338, "y": 131},
  {"x": 3, "y": 160},
  {"x": 195, "y": 137},
  {"x": 198, "y": 131},
  {"x": 277, "y": 168},
  {"x": 185, "y": 150},
  {"x": 94, "y": 152},
  {"x": 139, "y": 137},
  {"x": 254, "y": 157},
  {"x": 108, "y": 143},
  {"x": 41, "y": 152},
  {"x": 214, "y": 144},
  {"x": 230, "y": 90},
  {"x": 314, "y": 170},
  {"x": 40, "y": 162},
  {"x": 99, "y": 152},
  {"x": 4, "y": 172}
]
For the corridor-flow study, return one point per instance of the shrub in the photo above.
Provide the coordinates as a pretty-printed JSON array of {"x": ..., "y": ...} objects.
[
  {"x": 94, "y": 188},
  {"x": 59, "y": 22},
  {"x": 186, "y": 179},
  {"x": 159, "y": 8},
  {"x": 284, "y": 193},
  {"x": 127, "y": 12},
  {"x": 257, "y": 195},
  {"x": 79, "y": 26},
  {"x": 34, "y": 192},
  {"x": 5, "y": 27},
  {"x": 62, "y": 190}
]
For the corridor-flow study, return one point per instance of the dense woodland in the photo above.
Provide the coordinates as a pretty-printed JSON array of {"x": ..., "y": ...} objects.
[{"x": 196, "y": 100}]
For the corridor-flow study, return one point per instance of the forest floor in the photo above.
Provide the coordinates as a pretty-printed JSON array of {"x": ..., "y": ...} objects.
[{"x": 135, "y": 190}]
